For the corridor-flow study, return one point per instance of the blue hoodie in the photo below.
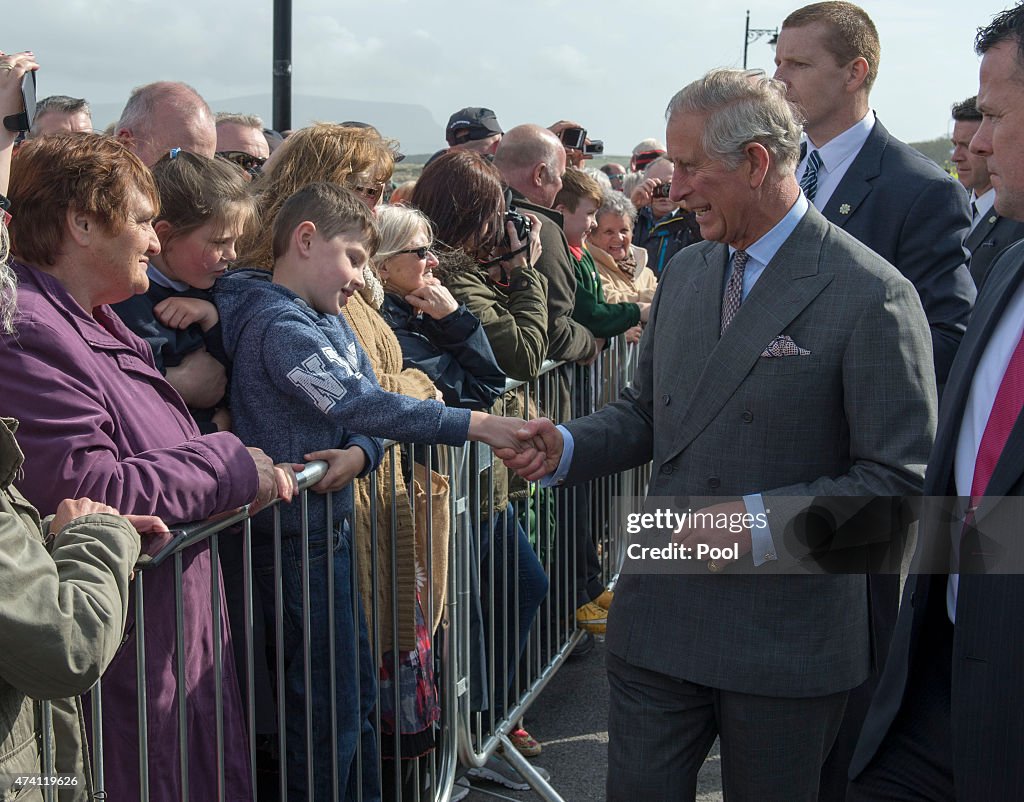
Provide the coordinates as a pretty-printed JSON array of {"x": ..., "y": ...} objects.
[{"x": 301, "y": 382}]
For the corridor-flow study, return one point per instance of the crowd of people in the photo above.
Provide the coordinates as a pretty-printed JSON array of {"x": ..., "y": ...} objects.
[{"x": 193, "y": 308}]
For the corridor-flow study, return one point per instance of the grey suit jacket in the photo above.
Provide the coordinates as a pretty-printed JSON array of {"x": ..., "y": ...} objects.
[
  {"x": 855, "y": 417},
  {"x": 911, "y": 213},
  {"x": 990, "y": 237}
]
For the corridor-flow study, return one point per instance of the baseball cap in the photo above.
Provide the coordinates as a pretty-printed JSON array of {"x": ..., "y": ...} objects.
[{"x": 474, "y": 122}]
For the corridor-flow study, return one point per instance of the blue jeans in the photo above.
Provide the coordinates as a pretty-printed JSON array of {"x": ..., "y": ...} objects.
[
  {"x": 354, "y": 673},
  {"x": 509, "y": 541}
]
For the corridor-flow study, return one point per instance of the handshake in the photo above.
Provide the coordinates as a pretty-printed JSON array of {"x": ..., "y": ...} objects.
[{"x": 532, "y": 449}]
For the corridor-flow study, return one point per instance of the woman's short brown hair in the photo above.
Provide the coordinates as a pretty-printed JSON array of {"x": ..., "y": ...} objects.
[
  {"x": 336, "y": 154},
  {"x": 89, "y": 173}
]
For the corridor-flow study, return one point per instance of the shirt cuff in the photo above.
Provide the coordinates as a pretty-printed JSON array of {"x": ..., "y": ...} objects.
[
  {"x": 558, "y": 477},
  {"x": 762, "y": 546}
]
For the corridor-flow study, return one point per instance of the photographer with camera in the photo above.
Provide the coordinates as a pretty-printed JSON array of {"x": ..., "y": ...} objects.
[
  {"x": 531, "y": 160},
  {"x": 663, "y": 227}
]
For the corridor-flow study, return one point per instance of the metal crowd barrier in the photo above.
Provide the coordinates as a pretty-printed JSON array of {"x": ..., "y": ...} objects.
[{"x": 478, "y": 701}]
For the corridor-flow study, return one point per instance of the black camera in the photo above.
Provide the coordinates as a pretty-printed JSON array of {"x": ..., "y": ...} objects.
[
  {"x": 573, "y": 138},
  {"x": 521, "y": 223},
  {"x": 594, "y": 147},
  {"x": 661, "y": 191},
  {"x": 23, "y": 121}
]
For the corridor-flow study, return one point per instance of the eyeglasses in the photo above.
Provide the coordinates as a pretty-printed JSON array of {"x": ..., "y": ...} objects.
[
  {"x": 371, "y": 193},
  {"x": 244, "y": 160},
  {"x": 421, "y": 252}
]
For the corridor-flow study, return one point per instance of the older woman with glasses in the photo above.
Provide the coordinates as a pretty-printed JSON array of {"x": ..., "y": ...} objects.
[{"x": 438, "y": 335}]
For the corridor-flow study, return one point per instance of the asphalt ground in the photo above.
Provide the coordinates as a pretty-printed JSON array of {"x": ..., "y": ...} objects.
[{"x": 570, "y": 719}]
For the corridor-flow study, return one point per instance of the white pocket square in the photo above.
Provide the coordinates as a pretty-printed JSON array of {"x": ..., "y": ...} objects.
[{"x": 783, "y": 345}]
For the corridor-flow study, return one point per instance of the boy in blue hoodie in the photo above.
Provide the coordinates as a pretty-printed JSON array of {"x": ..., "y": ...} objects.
[{"x": 303, "y": 389}]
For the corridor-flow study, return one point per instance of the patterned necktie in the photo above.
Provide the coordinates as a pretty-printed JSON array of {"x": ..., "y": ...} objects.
[
  {"x": 809, "y": 182},
  {"x": 734, "y": 289}
]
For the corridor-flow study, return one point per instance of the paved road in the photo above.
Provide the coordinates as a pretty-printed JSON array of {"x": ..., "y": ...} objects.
[{"x": 571, "y": 721}]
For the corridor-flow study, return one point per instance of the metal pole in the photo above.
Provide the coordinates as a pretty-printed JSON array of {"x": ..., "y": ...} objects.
[
  {"x": 746, "y": 39},
  {"x": 282, "y": 98}
]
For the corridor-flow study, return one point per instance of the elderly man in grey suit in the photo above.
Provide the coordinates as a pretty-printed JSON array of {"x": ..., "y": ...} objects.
[{"x": 782, "y": 359}]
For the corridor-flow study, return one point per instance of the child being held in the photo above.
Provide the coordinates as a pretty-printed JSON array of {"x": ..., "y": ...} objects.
[
  {"x": 303, "y": 389},
  {"x": 205, "y": 205}
]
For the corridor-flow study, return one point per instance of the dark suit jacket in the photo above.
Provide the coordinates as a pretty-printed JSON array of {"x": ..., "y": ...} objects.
[
  {"x": 988, "y": 650},
  {"x": 911, "y": 213},
  {"x": 853, "y": 418},
  {"x": 993, "y": 235}
]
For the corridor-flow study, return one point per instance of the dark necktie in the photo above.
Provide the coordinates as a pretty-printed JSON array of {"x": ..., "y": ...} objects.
[
  {"x": 734, "y": 289},
  {"x": 809, "y": 182},
  {"x": 974, "y": 211}
]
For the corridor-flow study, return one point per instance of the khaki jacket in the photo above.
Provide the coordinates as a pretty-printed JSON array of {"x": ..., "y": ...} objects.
[
  {"x": 62, "y": 614},
  {"x": 619, "y": 287}
]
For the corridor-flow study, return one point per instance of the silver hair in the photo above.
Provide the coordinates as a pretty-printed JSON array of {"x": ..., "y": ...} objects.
[
  {"x": 630, "y": 182},
  {"x": 396, "y": 226},
  {"x": 600, "y": 177},
  {"x": 647, "y": 169},
  {"x": 8, "y": 285},
  {"x": 616, "y": 203},
  {"x": 245, "y": 120},
  {"x": 742, "y": 106},
  {"x": 144, "y": 101},
  {"x": 62, "y": 104}
]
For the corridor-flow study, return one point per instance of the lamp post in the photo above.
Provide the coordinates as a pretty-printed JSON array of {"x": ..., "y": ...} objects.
[
  {"x": 753, "y": 34},
  {"x": 282, "y": 95}
]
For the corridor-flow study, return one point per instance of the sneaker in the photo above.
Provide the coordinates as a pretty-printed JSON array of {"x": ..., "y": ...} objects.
[
  {"x": 460, "y": 790},
  {"x": 499, "y": 771},
  {"x": 604, "y": 601},
  {"x": 592, "y": 618},
  {"x": 525, "y": 744}
]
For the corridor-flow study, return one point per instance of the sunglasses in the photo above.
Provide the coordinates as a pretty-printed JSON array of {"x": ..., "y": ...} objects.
[
  {"x": 421, "y": 252},
  {"x": 244, "y": 160},
  {"x": 371, "y": 193}
]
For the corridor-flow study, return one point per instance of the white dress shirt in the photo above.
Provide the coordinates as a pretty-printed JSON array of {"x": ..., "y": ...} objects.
[
  {"x": 836, "y": 157},
  {"x": 984, "y": 386},
  {"x": 983, "y": 204}
]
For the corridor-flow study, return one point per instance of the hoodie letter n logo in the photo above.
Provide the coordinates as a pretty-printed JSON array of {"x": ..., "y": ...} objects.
[{"x": 312, "y": 377}]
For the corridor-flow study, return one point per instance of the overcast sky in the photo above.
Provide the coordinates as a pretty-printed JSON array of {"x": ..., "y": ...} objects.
[{"x": 612, "y": 66}]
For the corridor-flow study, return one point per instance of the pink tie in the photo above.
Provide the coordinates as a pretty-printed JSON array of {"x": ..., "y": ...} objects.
[{"x": 1001, "y": 420}]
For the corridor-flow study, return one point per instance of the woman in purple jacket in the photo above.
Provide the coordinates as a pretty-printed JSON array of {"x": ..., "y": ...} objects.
[{"x": 98, "y": 420}]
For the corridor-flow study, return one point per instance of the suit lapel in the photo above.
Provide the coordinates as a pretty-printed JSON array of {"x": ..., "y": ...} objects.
[
  {"x": 786, "y": 287},
  {"x": 855, "y": 185},
  {"x": 984, "y": 228},
  {"x": 999, "y": 289}
]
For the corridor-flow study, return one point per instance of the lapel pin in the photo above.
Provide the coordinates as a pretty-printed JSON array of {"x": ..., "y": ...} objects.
[
  {"x": 992, "y": 219},
  {"x": 844, "y": 209}
]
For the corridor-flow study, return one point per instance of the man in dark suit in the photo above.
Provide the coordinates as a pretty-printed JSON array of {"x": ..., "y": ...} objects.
[
  {"x": 946, "y": 722},
  {"x": 894, "y": 200},
  {"x": 886, "y": 194},
  {"x": 990, "y": 233},
  {"x": 782, "y": 359}
]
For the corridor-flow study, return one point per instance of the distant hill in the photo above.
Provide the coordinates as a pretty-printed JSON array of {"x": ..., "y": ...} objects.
[
  {"x": 938, "y": 150},
  {"x": 410, "y": 124}
]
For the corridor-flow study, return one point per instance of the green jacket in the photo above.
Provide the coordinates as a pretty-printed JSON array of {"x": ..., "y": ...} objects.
[
  {"x": 515, "y": 320},
  {"x": 603, "y": 319},
  {"x": 62, "y": 614},
  {"x": 568, "y": 341}
]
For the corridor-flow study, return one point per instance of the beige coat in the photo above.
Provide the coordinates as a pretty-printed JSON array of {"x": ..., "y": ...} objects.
[
  {"x": 62, "y": 614},
  {"x": 619, "y": 287},
  {"x": 385, "y": 353}
]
